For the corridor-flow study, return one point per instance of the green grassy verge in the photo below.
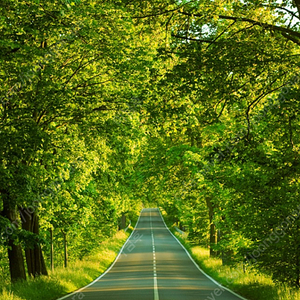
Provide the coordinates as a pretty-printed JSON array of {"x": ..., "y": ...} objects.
[
  {"x": 63, "y": 281},
  {"x": 249, "y": 283}
]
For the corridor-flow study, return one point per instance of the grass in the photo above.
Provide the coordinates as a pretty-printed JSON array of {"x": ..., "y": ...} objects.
[
  {"x": 249, "y": 283},
  {"x": 63, "y": 281}
]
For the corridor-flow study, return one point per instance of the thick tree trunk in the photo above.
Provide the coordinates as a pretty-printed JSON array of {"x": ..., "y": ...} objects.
[
  {"x": 16, "y": 262},
  {"x": 34, "y": 256},
  {"x": 15, "y": 255}
]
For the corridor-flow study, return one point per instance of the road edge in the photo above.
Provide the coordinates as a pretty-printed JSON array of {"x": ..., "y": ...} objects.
[
  {"x": 107, "y": 270},
  {"x": 197, "y": 266}
]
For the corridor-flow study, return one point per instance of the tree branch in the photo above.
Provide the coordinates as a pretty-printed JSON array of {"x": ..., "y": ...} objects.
[
  {"x": 159, "y": 13},
  {"x": 282, "y": 8},
  {"x": 294, "y": 40},
  {"x": 290, "y": 34},
  {"x": 91, "y": 84},
  {"x": 254, "y": 103},
  {"x": 192, "y": 39},
  {"x": 223, "y": 32},
  {"x": 297, "y": 3}
]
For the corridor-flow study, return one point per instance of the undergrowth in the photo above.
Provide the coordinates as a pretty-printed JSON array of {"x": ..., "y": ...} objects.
[
  {"x": 249, "y": 283},
  {"x": 66, "y": 280}
]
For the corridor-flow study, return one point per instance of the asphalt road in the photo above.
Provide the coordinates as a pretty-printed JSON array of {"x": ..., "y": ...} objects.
[{"x": 153, "y": 266}]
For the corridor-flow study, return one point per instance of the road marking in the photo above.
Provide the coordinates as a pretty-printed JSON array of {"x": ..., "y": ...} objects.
[
  {"x": 156, "y": 295},
  {"x": 188, "y": 254},
  {"x": 105, "y": 272}
]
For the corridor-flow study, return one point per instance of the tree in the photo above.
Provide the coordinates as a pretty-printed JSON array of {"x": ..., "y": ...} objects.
[{"x": 63, "y": 64}]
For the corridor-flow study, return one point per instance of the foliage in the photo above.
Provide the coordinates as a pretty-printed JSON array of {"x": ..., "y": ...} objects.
[
  {"x": 247, "y": 282},
  {"x": 189, "y": 105},
  {"x": 62, "y": 280}
]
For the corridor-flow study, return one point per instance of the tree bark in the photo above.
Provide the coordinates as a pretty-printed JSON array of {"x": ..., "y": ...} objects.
[
  {"x": 297, "y": 268},
  {"x": 16, "y": 262},
  {"x": 297, "y": 262},
  {"x": 15, "y": 254},
  {"x": 34, "y": 256},
  {"x": 51, "y": 250},
  {"x": 213, "y": 236},
  {"x": 65, "y": 249},
  {"x": 122, "y": 222}
]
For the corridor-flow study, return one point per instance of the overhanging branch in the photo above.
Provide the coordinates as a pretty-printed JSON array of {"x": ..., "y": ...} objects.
[
  {"x": 290, "y": 34},
  {"x": 297, "y": 3},
  {"x": 193, "y": 39}
]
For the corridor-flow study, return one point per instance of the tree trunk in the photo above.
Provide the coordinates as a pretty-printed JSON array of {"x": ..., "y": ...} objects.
[
  {"x": 213, "y": 239},
  {"x": 213, "y": 234},
  {"x": 16, "y": 262},
  {"x": 297, "y": 269},
  {"x": 51, "y": 250},
  {"x": 15, "y": 255},
  {"x": 297, "y": 262},
  {"x": 122, "y": 222},
  {"x": 34, "y": 256},
  {"x": 65, "y": 250}
]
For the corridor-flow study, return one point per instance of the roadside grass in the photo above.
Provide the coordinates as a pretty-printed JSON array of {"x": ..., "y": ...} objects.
[
  {"x": 66, "y": 280},
  {"x": 248, "y": 283}
]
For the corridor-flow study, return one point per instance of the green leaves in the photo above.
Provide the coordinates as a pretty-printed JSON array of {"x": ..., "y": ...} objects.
[
  {"x": 215, "y": 137},
  {"x": 108, "y": 105},
  {"x": 70, "y": 70}
]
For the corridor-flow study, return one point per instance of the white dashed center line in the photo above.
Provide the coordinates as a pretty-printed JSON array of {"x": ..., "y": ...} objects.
[{"x": 156, "y": 296}]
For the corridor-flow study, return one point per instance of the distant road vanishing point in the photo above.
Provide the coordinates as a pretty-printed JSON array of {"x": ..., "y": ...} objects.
[{"x": 153, "y": 265}]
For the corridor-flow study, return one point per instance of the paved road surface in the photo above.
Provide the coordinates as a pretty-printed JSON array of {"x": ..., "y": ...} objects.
[{"x": 153, "y": 266}]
